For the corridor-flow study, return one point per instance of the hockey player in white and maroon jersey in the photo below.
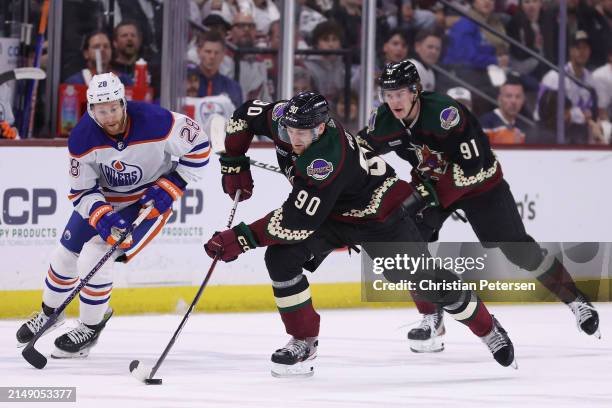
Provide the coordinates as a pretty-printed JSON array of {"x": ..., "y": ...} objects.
[{"x": 120, "y": 160}]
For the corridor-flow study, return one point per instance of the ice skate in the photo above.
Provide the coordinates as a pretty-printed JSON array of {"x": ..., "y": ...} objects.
[
  {"x": 428, "y": 336},
  {"x": 77, "y": 342},
  {"x": 296, "y": 358},
  {"x": 500, "y": 345},
  {"x": 587, "y": 318},
  {"x": 29, "y": 329}
]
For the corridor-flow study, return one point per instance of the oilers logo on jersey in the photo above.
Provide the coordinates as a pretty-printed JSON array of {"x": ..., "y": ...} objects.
[{"x": 121, "y": 174}]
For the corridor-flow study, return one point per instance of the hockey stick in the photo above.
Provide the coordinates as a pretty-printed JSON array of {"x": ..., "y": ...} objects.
[
  {"x": 22, "y": 73},
  {"x": 33, "y": 356},
  {"x": 32, "y": 90},
  {"x": 138, "y": 370}
]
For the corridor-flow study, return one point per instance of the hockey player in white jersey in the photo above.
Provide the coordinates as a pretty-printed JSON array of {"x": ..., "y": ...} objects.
[{"x": 120, "y": 160}]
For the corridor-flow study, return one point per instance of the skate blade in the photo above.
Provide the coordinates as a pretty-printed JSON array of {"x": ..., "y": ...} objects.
[
  {"x": 61, "y": 354},
  {"x": 50, "y": 329},
  {"x": 514, "y": 364},
  {"x": 433, "y": 345},
  {"x": 302, "y": 369},
  {"x": 597, "y": 334}
]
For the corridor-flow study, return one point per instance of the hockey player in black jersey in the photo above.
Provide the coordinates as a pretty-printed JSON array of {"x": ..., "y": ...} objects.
[
  {"x": 340, "y": 197},
  {"x": 454, "y": 167}
]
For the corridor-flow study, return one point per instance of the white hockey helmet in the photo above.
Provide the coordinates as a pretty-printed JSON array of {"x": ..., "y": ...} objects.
[{"x": 104, "y": 88}]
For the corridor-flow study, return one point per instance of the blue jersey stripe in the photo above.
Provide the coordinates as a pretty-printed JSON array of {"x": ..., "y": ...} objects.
[
  {"x": 200, "y": 146},
  {"x": 191, "y": 164}
]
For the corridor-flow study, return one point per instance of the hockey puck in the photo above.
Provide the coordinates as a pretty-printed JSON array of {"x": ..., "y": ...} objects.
[{"x": 153, "y": 381}]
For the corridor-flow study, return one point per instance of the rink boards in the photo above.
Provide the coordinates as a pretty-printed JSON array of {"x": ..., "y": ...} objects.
[{"x": 562, "y": 195}]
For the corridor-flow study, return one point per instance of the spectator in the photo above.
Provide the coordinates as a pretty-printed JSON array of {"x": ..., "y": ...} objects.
[
  {"x": 192, "y": 81},
  {"x": 265, "y": 13},
  {"x": 502, "y": 125},
  {"x": 347, "y": 14},
  {"x": 216, "y": 22},
  {"x": 546, "y": 132},
  {"x": 327, "y": 70},
  {"x": 603, "y": 78},
  {"x": 149, "y": 15},
  {"x": 412, "y": 20},
  {"x": 461, "y": 95},
  {"x": 211, "y": 50},
  {"x": 127, "y": 41},
  {"x": 427, "y": 47},
  {"x": 395, "y": 48},
  {"x": 350, "y": 123},
  {"x": 309, "y": 16},
  {"x": 583, "y": 106},
  {"x": 253, "y": 71},
  {"x": 472, "y": 49},
  {"x": 597, "y": 26},
  {"x": 525, "y": 27},
  {"x": 95, "y": 41},
  {"x": 302, "y": 81}
]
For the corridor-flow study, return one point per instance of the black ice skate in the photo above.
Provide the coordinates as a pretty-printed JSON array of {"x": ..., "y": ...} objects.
[
  {"x": 428, "y": 336},
  {"x": 587, "y": 318},
  {"x": 295, "y": 359},
  {"x": 77, "y": 342},
  {"x": 500, "y": 345},
  {"x": 27, "y": 330}
]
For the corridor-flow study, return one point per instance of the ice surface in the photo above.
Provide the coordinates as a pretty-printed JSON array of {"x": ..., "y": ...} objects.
[{"x": 222, "y": 360}]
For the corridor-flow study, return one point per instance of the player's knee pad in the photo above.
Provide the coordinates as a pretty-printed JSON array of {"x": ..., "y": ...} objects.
[
  {"x": 284, "y": 262},
  {"x": 91, "y": 254},
  {"x": 64, "y": 262}
]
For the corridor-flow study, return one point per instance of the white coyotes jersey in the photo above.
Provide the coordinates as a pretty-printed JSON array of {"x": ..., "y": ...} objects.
[{"x": 155, "y": 143}]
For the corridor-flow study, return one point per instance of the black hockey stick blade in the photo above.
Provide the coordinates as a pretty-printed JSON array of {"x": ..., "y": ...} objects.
[
  {"x": 22, "y": 73},
  {"x": 34, "y": 357}
]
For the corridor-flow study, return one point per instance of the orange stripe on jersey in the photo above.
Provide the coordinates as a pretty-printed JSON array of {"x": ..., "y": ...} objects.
[
  {"x": 92, "y": 293},
  {"x": 59, "y": 281},
  {"x": 198, "y": 156},
  {"x": 152, "y": 235}
]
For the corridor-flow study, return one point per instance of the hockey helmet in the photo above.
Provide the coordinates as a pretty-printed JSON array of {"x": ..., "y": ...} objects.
[
  {"x": 104, "y": 88},
  {"x": 306, "y": 110},
  {"x": 400, "y": 75}
]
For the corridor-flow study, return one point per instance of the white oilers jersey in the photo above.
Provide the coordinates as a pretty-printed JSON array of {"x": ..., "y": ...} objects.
[{"x": 156, "y": 142}]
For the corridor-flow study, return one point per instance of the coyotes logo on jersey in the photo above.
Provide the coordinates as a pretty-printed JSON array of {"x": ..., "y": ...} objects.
[{"x": 431, "y": 163}]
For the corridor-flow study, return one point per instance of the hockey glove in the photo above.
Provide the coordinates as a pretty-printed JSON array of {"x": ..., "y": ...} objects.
[
  {"x": 230, "y": 243},
  {"x": 163, "y": 193},
  {"x": 109, "y": 224},
  {"x": 236, "y": 175},
  {"x": 423, "y": 196}
]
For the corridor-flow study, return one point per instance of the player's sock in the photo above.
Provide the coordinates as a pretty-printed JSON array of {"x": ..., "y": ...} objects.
[
  {"x": 424, "y": 307},
  {"x": 38, "y": 319},
  {"x": 77, "y": 342},
  {"x": 94, "y": 300},
  {"x": 472, "y": 312},
  {"x": 294, "y": 303},
  {"x": 428, "y": 336},
  {"x": 557, "y": 280},
  {"x": 58, "y": 285},
  {"x": 296, "y": 358}
]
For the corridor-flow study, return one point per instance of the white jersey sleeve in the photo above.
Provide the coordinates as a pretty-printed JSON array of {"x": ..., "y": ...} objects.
[
  {"x": 189, "y": 142},
  {"x": 84, "y": 187}
]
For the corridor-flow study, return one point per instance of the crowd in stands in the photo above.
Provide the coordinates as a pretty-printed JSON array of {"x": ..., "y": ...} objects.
[
  {"x": 444, "y": 41},
  {"x": 433, "y": 34}
]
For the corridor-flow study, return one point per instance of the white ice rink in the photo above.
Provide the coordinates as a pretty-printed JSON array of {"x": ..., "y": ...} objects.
[{"x": 221, "y": 360}]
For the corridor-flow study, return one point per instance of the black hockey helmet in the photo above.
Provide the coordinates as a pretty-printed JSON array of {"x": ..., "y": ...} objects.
[
  {"x": 400, "y": 75},
  {"x": 306, "y": 110}
]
